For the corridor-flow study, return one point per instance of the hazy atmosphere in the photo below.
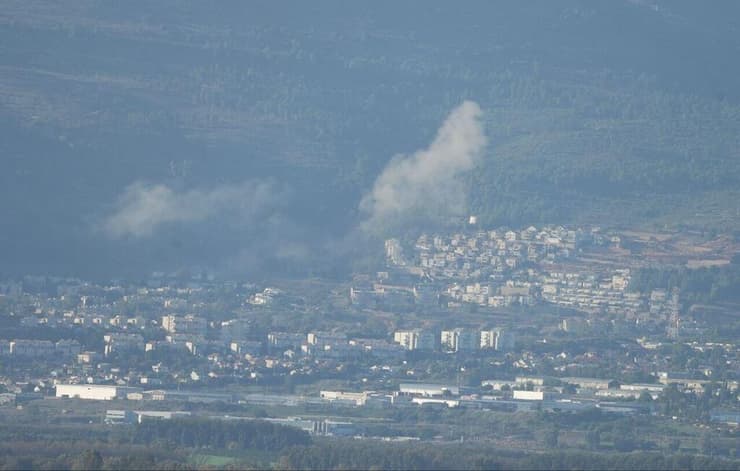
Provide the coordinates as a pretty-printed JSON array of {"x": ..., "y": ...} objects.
[
  {"x": 141, "y": 130},
  {"x": 395, "y": 235}
]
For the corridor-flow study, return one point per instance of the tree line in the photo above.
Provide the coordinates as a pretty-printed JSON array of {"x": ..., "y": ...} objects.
[
  {"x": 345, "y": 454},
  {"x": 219, "y": 434}
]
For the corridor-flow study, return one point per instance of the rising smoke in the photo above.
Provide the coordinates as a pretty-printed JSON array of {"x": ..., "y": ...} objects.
[
  {"x": 428, "y": 186},
  {"x": 251, "y": 227},
  {"x": 143, "y": 208}
]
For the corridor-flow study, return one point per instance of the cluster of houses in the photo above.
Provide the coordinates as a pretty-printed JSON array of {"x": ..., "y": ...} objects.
[
  {"x": 332, "y": 345},
  {"x": 57, "y": 302},
  {"x": 462, "y": 256},
  {"x": 592, "y": 293},
  {"x": 267, "y": 296},
  {"x": 446, "y": 263},
  {"x": 501, "y": 268}
]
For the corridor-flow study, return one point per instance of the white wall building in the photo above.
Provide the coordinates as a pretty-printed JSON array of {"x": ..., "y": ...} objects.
[
  {"x": 188, "y": 324},
  {"x": 497, "y": 339},
  {"x": 428, "y": 390},
  {"x": 32, "y": 348},
  {"x": 459, "y": 340},
  {"x": 120, "y": 341},
  {"x": 488, "y": 339},
  {"x": 285, "y": 339},
  {"x": 505, "y": 341},
  {"x": 353, "y": 398},
  {"x": 528, "y": 395},
  {"x": 416, "y": 339},
  {"x": 97, "y": 392}
]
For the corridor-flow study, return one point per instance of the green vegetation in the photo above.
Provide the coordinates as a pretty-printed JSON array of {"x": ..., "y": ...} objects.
[
  {"x": 699, "y": 285},
  {"x": 369, "y": 455},
  {"x": 322, "y": 99},
  {"x": 212, "y": 461},
  {"x": 219, "y": 434},
  {"x": 463, "y": 439}
]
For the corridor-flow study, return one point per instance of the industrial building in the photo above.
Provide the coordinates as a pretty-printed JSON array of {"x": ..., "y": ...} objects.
[
  {"x": 97, "y": 392},
  {"x": 349, "y": 398},
  {"x": 139, "y": 416},
  {"x": 428, "y": 390},
  {"x": 317, "y": 427}
]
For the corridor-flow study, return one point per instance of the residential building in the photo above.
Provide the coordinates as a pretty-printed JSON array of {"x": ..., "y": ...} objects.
[
  {"x": 32, "y": 348},
  {"x": 459, "y": 340},
  {"x": 121, "y": 342},
  {"x": 188, "y": 324},
  {"x": 280, "y": 340},
  {"x": 416, "y": 339}
]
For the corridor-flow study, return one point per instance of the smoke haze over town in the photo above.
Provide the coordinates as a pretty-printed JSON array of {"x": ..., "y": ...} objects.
[{"x": 393, "y": 235}]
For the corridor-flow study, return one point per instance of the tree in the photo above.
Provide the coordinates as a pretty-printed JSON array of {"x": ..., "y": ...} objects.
[
  {"x": 550, "y": 437},
  {"x": 593, "y": 439},
  {"x": 624, "y": 444},
  {"x": 674, "y": 444},
  {"x": 708, "y": 446},
  {"x": 89, "y": 459}
]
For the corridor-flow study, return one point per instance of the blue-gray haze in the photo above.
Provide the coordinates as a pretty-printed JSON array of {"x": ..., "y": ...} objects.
[{"x": 249, "y": 137}]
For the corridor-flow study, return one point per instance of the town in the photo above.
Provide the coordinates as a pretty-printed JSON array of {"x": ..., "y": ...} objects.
[{"x": 549, "y": 319}]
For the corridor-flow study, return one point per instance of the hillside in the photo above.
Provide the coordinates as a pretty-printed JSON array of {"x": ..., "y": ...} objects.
[{"x": 618, "y": 113}]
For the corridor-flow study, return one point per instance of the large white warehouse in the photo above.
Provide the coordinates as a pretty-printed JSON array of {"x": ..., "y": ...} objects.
[{"x": 98, "y": 392}]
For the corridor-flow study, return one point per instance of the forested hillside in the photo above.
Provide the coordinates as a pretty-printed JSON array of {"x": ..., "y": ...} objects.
[{"x": 618, "y": 113}]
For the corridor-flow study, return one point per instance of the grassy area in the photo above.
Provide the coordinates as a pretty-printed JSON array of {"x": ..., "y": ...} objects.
[{"x": 204, "y": 460}]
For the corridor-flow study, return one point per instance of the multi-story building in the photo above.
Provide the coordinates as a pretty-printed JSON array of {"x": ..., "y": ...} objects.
[
  {"x": 416, "y": 339},
  {"x": 118, "y": 341},
  {"x": 459, "y": 340},
  {"x": 67, "y": 348},
  {"x": 326, "y": 338},
  {"x": 496, "y": 339},
  {"x": 505, "y": 341},
  {"x": 188, "y": 324},
  {"x": 488, "y": 339},
  {"x": 32, "y": 348},
  {"x": 246, "y": 347},
  {"x": 380, "y": 349},
  {"x": 285, "y": 340},
  {"x": 394, "y": 252}
]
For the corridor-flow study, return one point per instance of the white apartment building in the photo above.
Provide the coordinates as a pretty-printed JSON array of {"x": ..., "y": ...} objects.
[
  {"x": 118, "y": 341},
  {"x": 458, "y": 340},
  {"x": 32, "y": 348},
  {"x": 188, "y": 324},
  {"x": 416, "y": 339}
]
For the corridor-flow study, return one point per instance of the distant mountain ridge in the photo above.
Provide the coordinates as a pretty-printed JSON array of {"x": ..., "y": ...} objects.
[{"x": 609, "y": 112}]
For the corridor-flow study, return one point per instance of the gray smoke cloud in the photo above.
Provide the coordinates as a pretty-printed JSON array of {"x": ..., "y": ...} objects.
[
  {"x": 144, "y": 208},
  {"x": 428, "y": 185}
]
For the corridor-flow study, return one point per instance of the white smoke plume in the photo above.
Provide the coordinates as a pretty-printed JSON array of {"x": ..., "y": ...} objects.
[
  {"x": 427, "y": 185},
  {"x": 143, "y": 208}
]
